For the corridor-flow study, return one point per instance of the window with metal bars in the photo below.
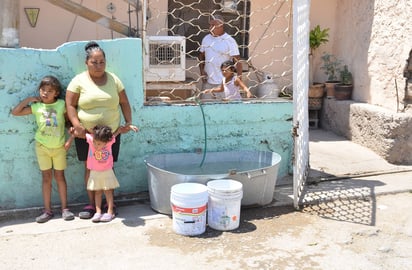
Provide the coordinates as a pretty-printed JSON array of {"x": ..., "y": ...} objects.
[{"x": 191, "y": 19}]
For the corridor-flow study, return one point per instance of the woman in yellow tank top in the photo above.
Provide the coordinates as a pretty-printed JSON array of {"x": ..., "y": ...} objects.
[{"x": 96, "y": 97}]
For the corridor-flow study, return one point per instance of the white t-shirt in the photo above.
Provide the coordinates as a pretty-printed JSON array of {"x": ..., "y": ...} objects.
[
  {"x": 231, "y": 90},
  {"x": 217, "y": 50}
]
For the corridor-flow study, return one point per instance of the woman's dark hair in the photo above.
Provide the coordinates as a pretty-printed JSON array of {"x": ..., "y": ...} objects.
[
  {"x": 53, "y": 82},
  {"x": 92, "y": 46},
  {"x": 230, "y": 64},
  {"x": 102, "y": 133}
]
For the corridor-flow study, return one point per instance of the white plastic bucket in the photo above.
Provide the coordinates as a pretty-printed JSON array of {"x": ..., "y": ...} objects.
[
  {"x": 189, "y": 205},
  {"x": 225, "y": 197}
]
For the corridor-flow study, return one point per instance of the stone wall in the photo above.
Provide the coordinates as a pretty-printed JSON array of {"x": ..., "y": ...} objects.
[
  {"x": 384, "y": 131},
  {"x": 374, "y": 39}
]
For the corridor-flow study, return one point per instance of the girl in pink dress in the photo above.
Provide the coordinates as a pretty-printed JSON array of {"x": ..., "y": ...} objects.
[{"x": 100, "y": 163}]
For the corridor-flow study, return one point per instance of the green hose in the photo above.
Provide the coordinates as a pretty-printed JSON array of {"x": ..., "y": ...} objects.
[{"x": 204, "y": 128}]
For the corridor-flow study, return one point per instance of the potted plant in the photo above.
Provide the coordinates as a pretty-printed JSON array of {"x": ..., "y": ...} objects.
[
  {"x": 317, "y": 37},
  {"x": 343, "y": 90},
  {"x": 332, "y": 68}
]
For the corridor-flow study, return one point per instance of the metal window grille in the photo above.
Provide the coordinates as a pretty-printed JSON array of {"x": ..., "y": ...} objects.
[{"x": 165, "y": 54}]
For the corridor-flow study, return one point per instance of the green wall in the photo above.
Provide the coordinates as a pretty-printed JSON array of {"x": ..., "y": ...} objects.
[{"x": 163, "y": 129}]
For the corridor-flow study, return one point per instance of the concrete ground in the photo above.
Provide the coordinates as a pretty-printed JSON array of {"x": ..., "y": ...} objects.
[{"x": 356, "y": 216}]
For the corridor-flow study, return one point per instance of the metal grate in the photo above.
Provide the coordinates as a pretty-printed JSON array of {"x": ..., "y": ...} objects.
[
  {"x": 262, "y": 30},
  {"x": 165, "y": 54}
]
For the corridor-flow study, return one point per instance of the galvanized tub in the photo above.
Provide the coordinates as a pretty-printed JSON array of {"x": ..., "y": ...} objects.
[{"x": 256, "y": 170}]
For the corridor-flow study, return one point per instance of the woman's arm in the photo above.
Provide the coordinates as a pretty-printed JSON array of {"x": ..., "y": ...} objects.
[
  {"x": 71, "y": 108},
  {"x": 125, "y": 107},
  {"x": 127, "y": 113}
]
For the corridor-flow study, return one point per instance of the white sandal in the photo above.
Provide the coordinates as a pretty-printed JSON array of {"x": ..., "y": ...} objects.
[{"x": 96, "y": 217}]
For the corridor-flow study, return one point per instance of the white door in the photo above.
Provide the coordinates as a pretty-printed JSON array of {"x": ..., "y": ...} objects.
[{"x": 301, "y": 25}]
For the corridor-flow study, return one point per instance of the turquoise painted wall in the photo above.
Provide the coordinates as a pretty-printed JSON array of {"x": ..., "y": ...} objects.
[{"x": 163, "y": 129}]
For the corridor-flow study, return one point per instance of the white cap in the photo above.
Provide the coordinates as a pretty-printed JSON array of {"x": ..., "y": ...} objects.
[{"x": 218, "y": 18}]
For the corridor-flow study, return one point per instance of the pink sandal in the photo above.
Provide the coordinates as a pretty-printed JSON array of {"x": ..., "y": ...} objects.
[{"x": 87, "y": 212}]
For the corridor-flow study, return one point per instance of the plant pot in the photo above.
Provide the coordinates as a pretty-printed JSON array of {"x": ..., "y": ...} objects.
[
  {"x": 315, "y": 103},
  {"x": 330, "y": 88},
  {"x": 316, "y": 90},
  {"x": 343, "y": 91}
]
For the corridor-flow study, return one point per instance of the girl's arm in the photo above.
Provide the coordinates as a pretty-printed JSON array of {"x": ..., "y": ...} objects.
[
  {"x": 23, "y": 107},
  {"x": 243, "y": 86},
  {"x": 214, "y": 90},
  {"x": 70, "y": 129},
  {"x": 238, "y": 65},
  {"x": 69, "y": 142},
  {"x": 118, "y": 131}
]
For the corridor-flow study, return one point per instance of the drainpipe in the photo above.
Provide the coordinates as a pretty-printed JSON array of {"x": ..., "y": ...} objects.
[
  {"x": 93, "y": 16},
  {"x": 9, "y": 23}
]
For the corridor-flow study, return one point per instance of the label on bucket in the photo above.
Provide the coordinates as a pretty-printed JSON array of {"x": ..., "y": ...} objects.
[
  {"x": 224, "y": 215},
  {"x": 190, "y": 211},
  {"x": 189, "y": 221},
  {"x": 189, "y": 203}
]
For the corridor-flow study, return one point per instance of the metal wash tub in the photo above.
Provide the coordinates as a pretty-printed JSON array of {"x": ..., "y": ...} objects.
[{"x": 256, "y": 170}]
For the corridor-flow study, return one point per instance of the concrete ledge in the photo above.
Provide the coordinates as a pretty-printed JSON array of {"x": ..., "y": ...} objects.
[
  {"x": 32, "y": 212},
  {"x": 385, "y": 132}
]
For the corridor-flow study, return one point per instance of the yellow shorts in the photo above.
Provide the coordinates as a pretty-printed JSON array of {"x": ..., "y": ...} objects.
[{"x": 49, "y": 158}]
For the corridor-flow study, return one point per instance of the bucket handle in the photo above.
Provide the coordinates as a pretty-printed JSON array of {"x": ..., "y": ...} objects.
[
  {"x": 232, "y": 172},
  {"x": 251, "y": 175}
]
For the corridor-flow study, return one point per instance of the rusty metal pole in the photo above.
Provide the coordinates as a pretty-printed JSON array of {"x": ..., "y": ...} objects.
[{"x": 9, "y": 23}]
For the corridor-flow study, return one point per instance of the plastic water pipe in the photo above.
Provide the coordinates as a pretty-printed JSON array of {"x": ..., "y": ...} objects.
[
  {"x": 204, "y": 129},
  {"x": 198, "y": 102}
]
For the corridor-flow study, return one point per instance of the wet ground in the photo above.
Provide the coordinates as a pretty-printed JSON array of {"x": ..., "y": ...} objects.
[
  {"x": 358, "y": 222},
  {"x": 376, "y": 237}
]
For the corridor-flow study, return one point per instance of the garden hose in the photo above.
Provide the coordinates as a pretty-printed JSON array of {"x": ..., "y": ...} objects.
[{"x": 204, "y": 128}]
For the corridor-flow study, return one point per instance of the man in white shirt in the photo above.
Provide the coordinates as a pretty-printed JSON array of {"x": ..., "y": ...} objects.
[{"x": 216, "y": 48}]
